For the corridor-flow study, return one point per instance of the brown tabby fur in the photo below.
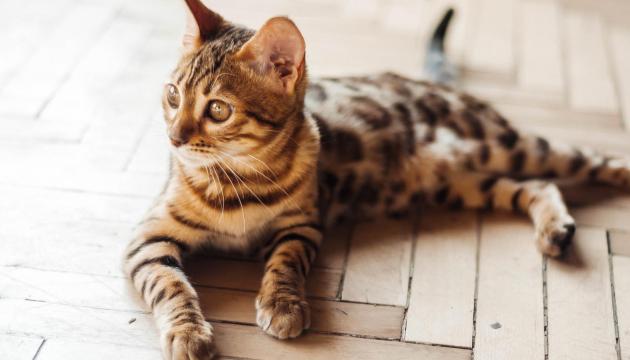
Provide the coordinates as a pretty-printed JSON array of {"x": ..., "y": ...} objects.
[{"x": 260, "y": 182}]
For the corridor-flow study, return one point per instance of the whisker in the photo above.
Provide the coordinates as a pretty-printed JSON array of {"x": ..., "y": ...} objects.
[
  {"x": 265, "y": 164},
  {"x": 220, "y": 185},
  {"x": 217, "y": 186},
  {"x": 266, "y": 177},
  {"x": 248, "y": 188},
  {"x": 237, "y": 194}
]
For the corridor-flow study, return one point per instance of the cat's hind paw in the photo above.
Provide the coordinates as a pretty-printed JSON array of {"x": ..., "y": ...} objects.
[{"x": 554, "y": 238}]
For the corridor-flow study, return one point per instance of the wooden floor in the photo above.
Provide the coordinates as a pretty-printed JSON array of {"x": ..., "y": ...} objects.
[{"x": 83, "y": 153}]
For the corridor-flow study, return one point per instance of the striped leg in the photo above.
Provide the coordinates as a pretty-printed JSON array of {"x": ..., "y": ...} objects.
[
  {"x": 541, "y": 200},
  {"x": 282, "y": 310},
  {"x": 533, "y": 156},
  {"x": 153, "y": 263}
]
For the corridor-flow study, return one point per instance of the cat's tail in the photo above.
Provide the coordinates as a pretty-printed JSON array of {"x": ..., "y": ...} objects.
[{"x": 437, "y": 68}]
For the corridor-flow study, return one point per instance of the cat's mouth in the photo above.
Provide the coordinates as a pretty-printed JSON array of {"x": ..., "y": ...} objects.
[{"x": 194, "y": 156}]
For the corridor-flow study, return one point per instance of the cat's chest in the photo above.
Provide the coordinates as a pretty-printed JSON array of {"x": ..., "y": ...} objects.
[{"x": 239, "y": 231}]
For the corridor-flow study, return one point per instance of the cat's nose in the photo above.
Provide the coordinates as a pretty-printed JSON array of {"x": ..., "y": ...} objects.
[
  {"x": 180, "y": 135},
  {"x": 175, "y": 142}
]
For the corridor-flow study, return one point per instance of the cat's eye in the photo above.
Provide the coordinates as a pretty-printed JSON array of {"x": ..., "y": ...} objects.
[
  {"x": 218, "y": 110},
  {"x": 172, "y": 96}
]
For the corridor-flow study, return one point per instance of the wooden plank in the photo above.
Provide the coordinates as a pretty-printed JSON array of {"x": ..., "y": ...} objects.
[
  {"x": 325, "y": 36},
  {"x": 621, "y": 270},
  {"x": 53, "y": 321},
  {"x": 589, "y": 76},
  {"x": 246, "y": 341},
  {"x": 602, "y": 217},
  {"x": 87, "y": 95},
  {"x": 333, "y": 252},
  {"x": 595, "y": 195},
  {"x": 604, "y": 140},
  {"x": 103, "y": 182},
  {"x": 443, "y": 284},
  {"x": 142, "y": 80},
  {"x": 64, "y": 230},
  {"x": 620, "y": 47},
  {"x": 510, "y": 320},
  {"x": 619, "y": 242},
  {"x": 491, "y": 48},
  {"x": 403, "y": 16},
  {"x": 22, "y": 30},
  {"x": 528, "y": 115},
  {"x": 114, "y": 293},
  {"x": 54, "y": 58},
  {"x": 19, "y": 347},
  {"x": 153, "y": 151},
  {"x": 603, "y": 207},
  {"x": 65, "y": 157},
  {"x": 507, "y": 92},
  {"x": 65, "y": 206},
  {"x": 136, "y": 329},
  {"x": 378, "y": 263},
  {"x": 96, "y": 291},
  {"x": 61, "y": 349},
  {"x": 246, "y": 275},
  {"x": 94, "y": 247},
  {"x": 327, "y": 316},
  {"x": 540, "y": 58},
  {"x": 93, "y": 115},
  {"x": 580, "y": 314}
]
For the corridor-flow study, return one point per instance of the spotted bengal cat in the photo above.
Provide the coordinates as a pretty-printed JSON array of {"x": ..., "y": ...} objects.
[{"x": 263, "y": 160}]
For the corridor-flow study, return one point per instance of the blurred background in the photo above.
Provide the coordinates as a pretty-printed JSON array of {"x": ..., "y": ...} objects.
[{"x": 83, "y": 153}]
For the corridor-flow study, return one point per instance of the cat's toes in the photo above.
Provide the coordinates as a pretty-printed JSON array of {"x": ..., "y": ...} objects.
[
  {"x": 189, "y": 342},
  {"x": 553, "y": 239},
  {"x": 282, "y": 316}
]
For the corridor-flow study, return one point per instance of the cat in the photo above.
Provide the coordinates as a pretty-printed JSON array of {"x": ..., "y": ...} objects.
[{"x": 262, "y": 160}]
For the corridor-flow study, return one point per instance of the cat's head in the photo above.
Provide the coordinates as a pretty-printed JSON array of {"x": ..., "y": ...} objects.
[{"x": 234, "y": 90}]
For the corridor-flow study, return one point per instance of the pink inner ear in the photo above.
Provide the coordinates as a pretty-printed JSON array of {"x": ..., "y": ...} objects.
[
  {"x": 278, "y": 46},
  {"x": 283, "y": 64}
]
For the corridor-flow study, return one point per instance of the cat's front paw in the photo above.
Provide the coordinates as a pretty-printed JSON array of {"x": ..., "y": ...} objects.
[
  {"x": 282, "y": 316},
  {"x": 553, "y": 239},
  {"x": 188, "y": 342}
]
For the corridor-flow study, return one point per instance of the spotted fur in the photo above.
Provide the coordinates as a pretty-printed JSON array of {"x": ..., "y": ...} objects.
[{"x": 295, "y": 157}]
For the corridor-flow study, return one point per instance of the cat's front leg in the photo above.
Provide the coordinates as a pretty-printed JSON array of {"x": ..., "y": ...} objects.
[
  {"x": 153, "y": 263},
  {"x": 281, "y": 307}
]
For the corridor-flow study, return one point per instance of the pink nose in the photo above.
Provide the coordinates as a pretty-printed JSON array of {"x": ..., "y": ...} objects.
[{"x": 180, "y": 135}]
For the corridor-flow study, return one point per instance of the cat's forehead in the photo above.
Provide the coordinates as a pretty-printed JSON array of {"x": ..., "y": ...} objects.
[{"x": 207, "y": 61}]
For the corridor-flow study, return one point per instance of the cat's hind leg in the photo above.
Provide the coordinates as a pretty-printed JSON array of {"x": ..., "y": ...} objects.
[
  {"x": 528, "y": 156},
  {"x": 541, "y": 200}
]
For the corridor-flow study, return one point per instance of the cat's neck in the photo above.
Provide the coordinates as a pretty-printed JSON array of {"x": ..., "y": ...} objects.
[{"x": 295, "y": 154}]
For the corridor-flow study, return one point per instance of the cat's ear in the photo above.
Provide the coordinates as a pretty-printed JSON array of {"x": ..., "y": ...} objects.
[
  {"x": 201, "y": 24},
  {"x": 276, "y": 51}
]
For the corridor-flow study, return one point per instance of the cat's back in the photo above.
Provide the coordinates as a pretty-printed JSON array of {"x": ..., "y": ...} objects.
[
  {"x": 375, "y": 102},
  {"x": 390, "y": 113}
]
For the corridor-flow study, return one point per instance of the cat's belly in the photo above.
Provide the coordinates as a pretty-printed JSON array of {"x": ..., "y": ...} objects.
[
  {"x": 367, "y": 189},
  {"x": 386, "y": 142}
]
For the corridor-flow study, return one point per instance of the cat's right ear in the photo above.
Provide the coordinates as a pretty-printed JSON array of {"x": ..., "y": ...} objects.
[{"x": 201, "y": 24}]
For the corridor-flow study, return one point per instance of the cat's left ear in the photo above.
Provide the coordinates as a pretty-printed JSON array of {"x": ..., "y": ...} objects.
[
  {"x": 201, "y": 24},
  {"x": 276, "y": 51}
]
